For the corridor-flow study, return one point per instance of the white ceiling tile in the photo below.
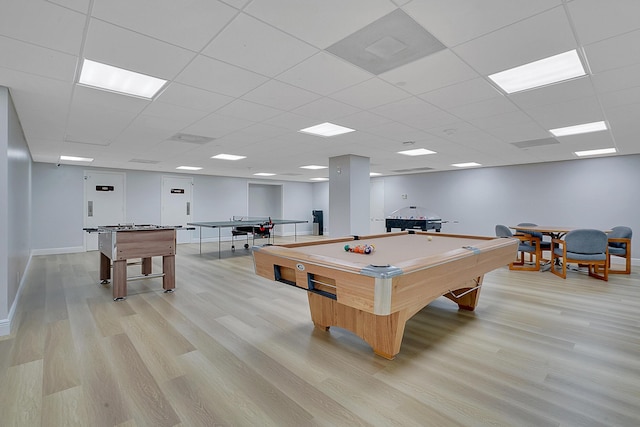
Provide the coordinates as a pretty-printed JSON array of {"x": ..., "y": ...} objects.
[
  {"x": 141, "y": 134},
  {"x": 364, "y": 120},
  {"x": 81, "y": 6},
  {"x": 180, "y": 116},
  {"x": 43, "y": 97},
  {"x": 325, "y": 109},
  {"x": 246, "y": 110},
  {"x": 512, "y": 118},
  {"x": 132, "y": 51},
  {"x": 31, "y": 59},
  {"x": 553, "y": 94},
  {"x": 617, "y": 79},
  {"x": 620, "y": 98},
  {"x": 292, "y": 121},
  {"x": 516, "y": 132},
  {"x": 605, "y": 55},
  {"x": 188, "y": 23},
  {"x": 401, "y": 133},
  {"x": 192, "y": 97},
  {"x": 596, "y": 20},
  {"x": 432, "y": 72},
  {"x": 405, "y": 108},
  {"x": 280, "y": 95},
  {"x": 43, "y": 24},
  {"x": 216, "y": 76},
  {"x": 519, "y": 43},
  {"x": 171, "y": 149},
  {"x": 217, "y": 126},
  {"x": 482, "y": 109},
  {"x": 460, "y": 21},
  {"x": 587, "y": 141},
  {"x": 369, "y": 94},
  {"x": 281, "y": 82},
  {"x": 238, "y": 4},
  {"x": 466, "y": 92},
  {"x": 325, "y": 74},
  {"x": 321, "y": 23},
  {"x": 575, "y": 112},
  {"x": 253, "y": 45}
]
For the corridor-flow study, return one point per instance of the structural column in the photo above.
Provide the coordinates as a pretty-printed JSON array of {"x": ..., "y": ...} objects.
[{"x": 349, "y": 194}]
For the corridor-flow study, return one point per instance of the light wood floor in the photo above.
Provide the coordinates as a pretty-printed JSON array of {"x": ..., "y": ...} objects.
[{"x": 231, "y": 349}]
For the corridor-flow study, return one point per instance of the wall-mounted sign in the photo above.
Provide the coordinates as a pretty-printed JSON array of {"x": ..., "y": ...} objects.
[
  {"x": 104, "y": 187},
  {"x": 177, "y": 191}
]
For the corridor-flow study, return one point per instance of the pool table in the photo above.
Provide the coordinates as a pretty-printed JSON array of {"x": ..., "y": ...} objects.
[{"x": 374, "y": 295}]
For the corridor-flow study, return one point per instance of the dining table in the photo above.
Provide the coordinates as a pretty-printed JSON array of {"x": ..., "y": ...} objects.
[{"x": 554, "y": 231}]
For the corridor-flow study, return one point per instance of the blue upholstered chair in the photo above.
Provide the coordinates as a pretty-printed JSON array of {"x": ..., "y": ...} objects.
[
  {"x": 545, "y": 245},
  {"x": 528, "y": 245},
  {"x": 620, "y": 245},
  {"x": 584, "y": 247}
]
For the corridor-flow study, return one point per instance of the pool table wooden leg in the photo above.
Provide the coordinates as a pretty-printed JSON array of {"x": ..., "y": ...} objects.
[
  {"x": 469, "y": 300},
  {"x": 382, "y": 333}
]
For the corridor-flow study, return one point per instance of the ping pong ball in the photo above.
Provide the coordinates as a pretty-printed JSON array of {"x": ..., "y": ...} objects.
[{"x": 429, "y": 238}]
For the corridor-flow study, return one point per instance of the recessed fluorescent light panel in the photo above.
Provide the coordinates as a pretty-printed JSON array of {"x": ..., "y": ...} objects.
[
  {"x": 375, "y": 174},
  {"x": 326, "y": 129},
  {"x": 189, "y": 168},
  {"x": 578, "y": 129},
  {"x": 595, "y": 152},
  {"x": 114, "y": 79},
  {"x": 313, "y": 167},
  {"x": 553, "y": 69},
  {"x": 264, "y": 174},
  {"x": 416, "y": 152},
  {"x": 76, "y": 159},
  {"x": 466, "y": 165},
  {"x": 319, "y": 179},
  {"x": 228, "y": 157}
]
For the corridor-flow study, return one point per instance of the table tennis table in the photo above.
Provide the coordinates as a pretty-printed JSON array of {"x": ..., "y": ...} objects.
[{"x": 245, "y": 226}]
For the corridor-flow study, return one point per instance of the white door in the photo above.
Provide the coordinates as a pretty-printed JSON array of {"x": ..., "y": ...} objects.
[
  {"x": 104, "y": 203},
  {"x": 177, "y": 204},
  {"x": 376, "y": 208}
]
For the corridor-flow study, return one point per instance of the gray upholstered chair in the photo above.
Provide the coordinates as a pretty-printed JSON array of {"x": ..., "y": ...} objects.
[
  {"x": 583, "y": 247},
  {"x": 620, "y": 245},
  {"x": 528, "y": 245},
  {"x": 545, "y": 245}
]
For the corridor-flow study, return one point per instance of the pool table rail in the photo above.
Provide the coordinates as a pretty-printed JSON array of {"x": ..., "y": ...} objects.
[{"x": 376, "y": 302}]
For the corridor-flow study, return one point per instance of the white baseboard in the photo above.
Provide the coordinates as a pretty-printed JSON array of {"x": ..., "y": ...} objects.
[
  {"x": 57, "y": 251},
  {"x": 5, "y": 324},
  {"x": 5, "y": 327}
]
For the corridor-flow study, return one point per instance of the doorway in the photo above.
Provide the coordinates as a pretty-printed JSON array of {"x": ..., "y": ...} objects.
[
  {"x": 177, "y": 204},
  {"x": 104, "y": 203}
]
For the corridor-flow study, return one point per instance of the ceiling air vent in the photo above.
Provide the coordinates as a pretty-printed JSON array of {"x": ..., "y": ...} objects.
[
  {"x": 149, "y": 162},
  {"x": 191, "y": 139},
  {"x": 535, "y": 143}
]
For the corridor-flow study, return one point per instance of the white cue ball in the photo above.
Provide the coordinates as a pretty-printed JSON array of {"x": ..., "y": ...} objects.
[{"x": 429, "y": 238}]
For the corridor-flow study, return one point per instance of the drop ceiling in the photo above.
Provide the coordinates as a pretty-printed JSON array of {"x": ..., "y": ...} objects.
[{"x": 245, "y": 76}]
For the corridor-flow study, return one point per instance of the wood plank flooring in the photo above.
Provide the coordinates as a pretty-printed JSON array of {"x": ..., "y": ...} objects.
[{"x": 229, "y": 348}]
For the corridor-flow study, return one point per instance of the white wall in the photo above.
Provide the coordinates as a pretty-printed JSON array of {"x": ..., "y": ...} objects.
[
  {"x": 589, "y": 193},
  {"x": 600, "y": 193},
  {"x": 58, "y": 204},
  {"x": 15, "y": 209}
]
